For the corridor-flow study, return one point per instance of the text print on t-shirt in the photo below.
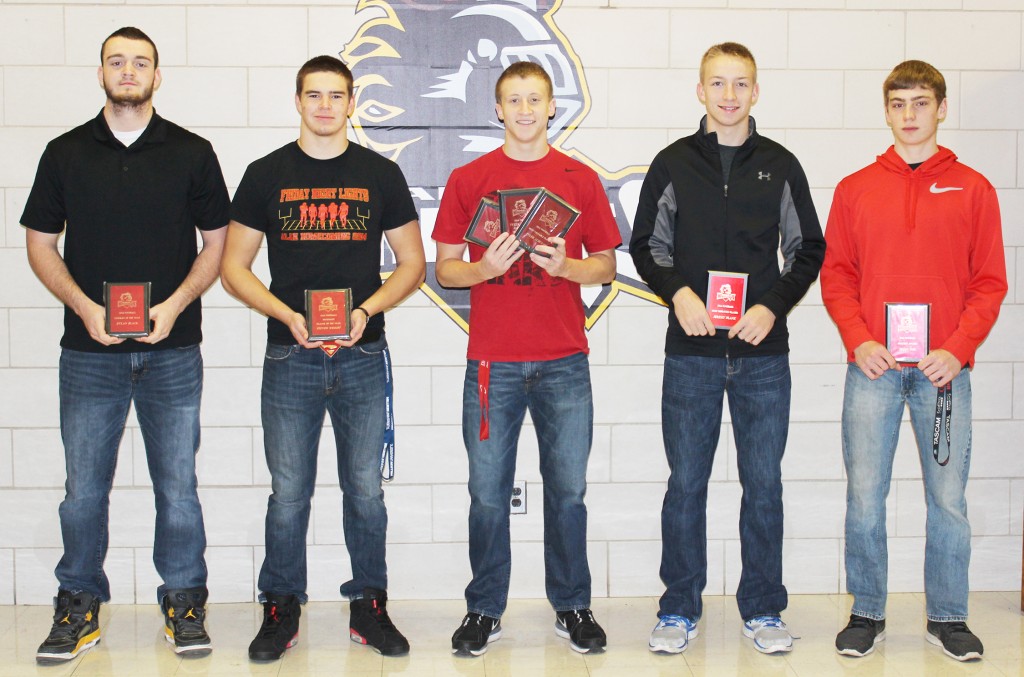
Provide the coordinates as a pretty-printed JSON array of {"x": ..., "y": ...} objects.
[{"x": 324, "y": 213}]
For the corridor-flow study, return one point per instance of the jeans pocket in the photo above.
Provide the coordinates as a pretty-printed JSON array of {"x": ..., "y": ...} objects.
[
  {"x": 279, "y": 352},
  {"x": 374, "y": 348}
]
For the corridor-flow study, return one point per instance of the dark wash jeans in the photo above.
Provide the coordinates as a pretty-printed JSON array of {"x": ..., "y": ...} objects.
[
  {"x": 299, "y": 386},
  {"x": 96, "y": 390},
  {"x": 691, "y": 410},
  {"x": 558, "y": 396}
]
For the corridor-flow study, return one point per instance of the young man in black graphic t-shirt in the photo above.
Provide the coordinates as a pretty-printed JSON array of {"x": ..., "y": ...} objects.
[{"x": 303, "y": 379}]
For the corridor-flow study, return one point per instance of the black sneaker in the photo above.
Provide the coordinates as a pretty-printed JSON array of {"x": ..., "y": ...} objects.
[
  {"x": 370, "y": 624},
  {"x": 280, "y": 629},
  {"x": 76, "y": 627},
  {"x": 475, "y": 633},
  {"x": 184, "y": 621},
  {"x": 582, "y": 631},
  {"x": 956, "y": 639},
  {"x": 860, "y": 636}
]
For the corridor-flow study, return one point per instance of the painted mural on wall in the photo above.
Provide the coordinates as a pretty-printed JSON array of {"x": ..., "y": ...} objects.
[{"x": 424, "y": 74}]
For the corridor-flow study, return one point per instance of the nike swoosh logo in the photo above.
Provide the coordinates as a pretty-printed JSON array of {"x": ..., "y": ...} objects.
[{"x": 934, "y": 188}]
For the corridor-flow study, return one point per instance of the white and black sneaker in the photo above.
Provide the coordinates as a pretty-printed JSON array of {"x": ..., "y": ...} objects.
[
  {"x": 476, "y": 632},
  {"x": 956, "y": 639},
  {"x": 860, "y": 636},
  {"x": 579, "y": 627}
]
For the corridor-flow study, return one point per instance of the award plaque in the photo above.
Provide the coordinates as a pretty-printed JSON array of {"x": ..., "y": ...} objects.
[
  {"x": 486, "y": 224},
  {"x": 515, "y": 205},
  {"x": 127, "y": 308},
  {"x": 906, "y": 330},
  {"x": 328, "y": 314},
  {"x": 550, "y": 217},
  {"x": 727, "y": 298}
]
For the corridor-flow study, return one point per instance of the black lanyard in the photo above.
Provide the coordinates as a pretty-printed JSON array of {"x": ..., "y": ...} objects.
[{"x": 943, "y": 415}]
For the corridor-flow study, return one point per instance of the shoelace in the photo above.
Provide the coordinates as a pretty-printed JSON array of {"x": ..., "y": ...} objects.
[
  {"x": 581, "y": 616},
  {"x": 270, "y": 622},
  {"x": 861, "y": 623},
  {"x": 957, "y": 627},
  {"x": 768, "y": 621},
  {"x": 191, "y": 619},
  {"x": 67, "y": 625},
  {"x": 383, "y": 618},
  {"x": 673, "y": 621}
]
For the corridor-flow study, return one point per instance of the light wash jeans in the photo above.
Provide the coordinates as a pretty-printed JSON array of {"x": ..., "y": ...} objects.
[
  {"x": 558, "y": 396},
  {"x": 96, "y": 390},
  {"x": 300, "y": 385},
  {"x": 871, "y": 424}
]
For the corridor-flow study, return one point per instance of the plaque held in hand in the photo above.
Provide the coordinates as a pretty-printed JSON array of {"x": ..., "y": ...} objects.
[
  {"x": 907, "y": 331},
  {"x": 127, "y": 308},
  {"x": 328, "y": 314},
  {"x": 727, "y": 298}
]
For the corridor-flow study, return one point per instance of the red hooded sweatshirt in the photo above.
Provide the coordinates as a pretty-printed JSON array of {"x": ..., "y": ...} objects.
[{"x": 930, "y": 235}]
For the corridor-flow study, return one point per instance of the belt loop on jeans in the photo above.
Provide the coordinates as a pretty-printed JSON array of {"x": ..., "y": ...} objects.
[
  {"x": 483, "y": 384},
  {"x": 943, "y": 416},
  {"x": 387, "y": 454}
]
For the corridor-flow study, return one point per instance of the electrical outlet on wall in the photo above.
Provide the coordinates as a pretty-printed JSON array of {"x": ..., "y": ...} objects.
[{"x": 519, "y": 497}]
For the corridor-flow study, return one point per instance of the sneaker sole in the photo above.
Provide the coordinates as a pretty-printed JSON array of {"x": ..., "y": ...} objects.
[
  {"x": 466, "y": 652},
  {"x": 771, "y": 648},
  {"x": 564, "y": 634},
  {"x": 86, "y": 643},
  {"x": 969, "y": 656},
  {"x": 857, "y": 654},
  {"x": 668, "y": 649},
  {"x": 265, "y": 657},
  {"x": 359, "y": 639},
  {"x": 188, "y": 651}
]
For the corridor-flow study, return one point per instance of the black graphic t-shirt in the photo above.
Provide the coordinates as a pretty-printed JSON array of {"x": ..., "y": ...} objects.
[{"x": 323, "y": 220}]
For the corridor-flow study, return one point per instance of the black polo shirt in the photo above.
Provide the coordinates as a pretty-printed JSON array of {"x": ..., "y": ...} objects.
[{"x": 129, "y": 215}]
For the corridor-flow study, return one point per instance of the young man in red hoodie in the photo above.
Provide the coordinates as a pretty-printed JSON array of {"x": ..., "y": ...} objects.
[{"x": 913, "y": 277}]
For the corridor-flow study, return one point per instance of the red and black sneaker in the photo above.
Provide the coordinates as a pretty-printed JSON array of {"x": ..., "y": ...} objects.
[
  {"x": 280, "y": 629},
  {"x": 370, "y": 624}
]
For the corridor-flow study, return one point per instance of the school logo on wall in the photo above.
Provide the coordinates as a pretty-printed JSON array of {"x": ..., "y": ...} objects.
[{"x": 424, "y": 74}]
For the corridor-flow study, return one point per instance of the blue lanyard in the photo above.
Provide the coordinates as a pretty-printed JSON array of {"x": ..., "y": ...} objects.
[{"x": 387, "y": 454}]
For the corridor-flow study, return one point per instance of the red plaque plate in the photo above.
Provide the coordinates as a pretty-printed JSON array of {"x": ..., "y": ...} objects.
[
  {"x": 550, "y": 217},
  {"x": 515, "y": 206},
  {"x": 328, "y": 314},
  {"x": 727, "y": 298},
  {"x": 127, "y": 308},
  {"x": 486, "y": 224}
]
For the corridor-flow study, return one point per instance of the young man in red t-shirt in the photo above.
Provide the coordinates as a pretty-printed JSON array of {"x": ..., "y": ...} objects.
[{"x": 527, "y": 351}]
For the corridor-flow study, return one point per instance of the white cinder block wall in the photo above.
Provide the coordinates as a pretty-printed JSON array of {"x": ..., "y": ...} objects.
[{"x": 228, "y": 70}]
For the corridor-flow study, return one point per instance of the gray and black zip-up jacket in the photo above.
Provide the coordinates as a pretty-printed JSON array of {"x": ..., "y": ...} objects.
[{"x": 689, "y": 221}]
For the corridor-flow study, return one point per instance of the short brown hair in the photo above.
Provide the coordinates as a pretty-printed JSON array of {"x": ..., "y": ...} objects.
[
  {"x": 523, "y": 69},
  {"x": 911, "y": 74},
  {"x": 131, "y": 33},
  {"x": 323, "y": 64},
  {"x": 727, "y": 49}
]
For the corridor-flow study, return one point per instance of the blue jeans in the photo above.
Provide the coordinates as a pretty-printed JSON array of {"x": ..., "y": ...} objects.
[
  {"x": 299, "y": 386},
  {"x": 691, "y": 415},
  {"x": 96, "y": 390},
  {"x": 558, "y": 395},
  {"x": 871, "y": 425}
]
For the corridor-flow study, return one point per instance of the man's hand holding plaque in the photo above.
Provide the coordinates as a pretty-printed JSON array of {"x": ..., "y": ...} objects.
[
  {"x": 328, "y": 314},
  {"x": 127, "y": 308}
]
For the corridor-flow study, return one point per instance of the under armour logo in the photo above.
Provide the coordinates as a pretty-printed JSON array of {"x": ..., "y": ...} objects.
[{"x": 764, "y": 176}]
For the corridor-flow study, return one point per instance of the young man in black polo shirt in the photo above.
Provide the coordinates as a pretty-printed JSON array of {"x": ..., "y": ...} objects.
[{"x": 128, "y": 190}]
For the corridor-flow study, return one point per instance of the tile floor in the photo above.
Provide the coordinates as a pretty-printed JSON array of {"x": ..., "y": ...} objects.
[{"x": 133, "y": 646}]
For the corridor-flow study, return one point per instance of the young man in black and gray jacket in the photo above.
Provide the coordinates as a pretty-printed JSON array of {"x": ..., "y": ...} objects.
[{"x": 715, "y": 209}]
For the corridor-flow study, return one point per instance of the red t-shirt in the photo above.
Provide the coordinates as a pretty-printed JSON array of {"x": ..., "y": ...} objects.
[{"x": 526, "y": 315}]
